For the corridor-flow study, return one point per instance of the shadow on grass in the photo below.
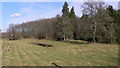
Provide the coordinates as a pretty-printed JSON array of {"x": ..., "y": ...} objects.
[
  {"x": 76, "y": 42},
  {"x": 41, "y": 44}
]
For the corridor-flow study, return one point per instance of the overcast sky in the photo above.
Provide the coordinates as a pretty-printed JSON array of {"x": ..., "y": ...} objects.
[{"x": 19, "y": 12}]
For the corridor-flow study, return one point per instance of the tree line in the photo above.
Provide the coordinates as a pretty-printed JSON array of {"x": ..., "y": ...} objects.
[{"x": 98, "y": 23}]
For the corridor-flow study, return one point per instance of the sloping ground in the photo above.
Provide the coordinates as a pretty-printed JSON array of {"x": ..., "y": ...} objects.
[{"x": 24, "y": 53}]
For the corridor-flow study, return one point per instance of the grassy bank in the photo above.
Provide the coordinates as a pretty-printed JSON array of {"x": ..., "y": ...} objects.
[{"x": 25, "y": 52}]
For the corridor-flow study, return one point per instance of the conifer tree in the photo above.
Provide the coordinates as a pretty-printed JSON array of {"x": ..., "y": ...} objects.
[
  {"x": 72, "y": 17},
  {"x": 72, "y": 13},
  {"x": 67, "y": 31}
]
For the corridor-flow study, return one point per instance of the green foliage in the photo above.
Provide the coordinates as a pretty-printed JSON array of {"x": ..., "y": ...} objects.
[
  {"x": 65, "y": 10},
  {"x": 59, "y": 27},
  {"x": 118, "y": 25},
  {"x": 98, "y": 23},
  {"x": 67, "y": 25},
  {"x": 115, "y": 15},
  {"x": 72, "y": 13}
]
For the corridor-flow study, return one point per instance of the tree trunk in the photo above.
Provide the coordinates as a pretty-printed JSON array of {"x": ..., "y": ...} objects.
[
  {"x": 64, "y": 37},
  {"x": 111, "y": 33},
  {"x": 46, "y": 37},
  {"x": 94, "y": 32}
]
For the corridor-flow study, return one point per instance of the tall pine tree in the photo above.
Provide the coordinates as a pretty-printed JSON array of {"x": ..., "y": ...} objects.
[
  {"x": 67, "y": 30},
  {"x": 72, "y": 13},
  {"x": 72, "y": 17},
  {"x": 65, "y": 10}
]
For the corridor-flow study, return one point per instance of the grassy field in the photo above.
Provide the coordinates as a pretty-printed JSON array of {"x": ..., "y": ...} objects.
[{"x": 26, "y": 52}]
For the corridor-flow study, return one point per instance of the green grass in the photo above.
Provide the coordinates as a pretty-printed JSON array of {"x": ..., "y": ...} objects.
[{"x": 24, "y": 53}]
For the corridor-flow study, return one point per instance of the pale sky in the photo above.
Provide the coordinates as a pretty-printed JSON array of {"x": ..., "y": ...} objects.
[{"x": 18, "y": 11}]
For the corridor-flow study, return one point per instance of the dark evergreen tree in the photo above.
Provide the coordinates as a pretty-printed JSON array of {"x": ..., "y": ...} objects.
[
  {"x": 114, "y": 14},
  {"x": 65, "y": 10},
  {"x": 67, "y": 26},
  {"x": 58, "y": 27},
  {"x": 72, "y": 17},
  {"x": 72, "y": 13}
]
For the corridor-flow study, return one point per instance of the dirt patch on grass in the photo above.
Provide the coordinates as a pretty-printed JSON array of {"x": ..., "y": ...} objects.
[{"x": 44, "y": 45}]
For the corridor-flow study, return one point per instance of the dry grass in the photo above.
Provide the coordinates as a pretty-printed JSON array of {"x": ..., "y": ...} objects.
[{"x": 24, "y": 53}]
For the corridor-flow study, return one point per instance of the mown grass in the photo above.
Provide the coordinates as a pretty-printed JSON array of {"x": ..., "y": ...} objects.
[{"x": 24, "y": 53}]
